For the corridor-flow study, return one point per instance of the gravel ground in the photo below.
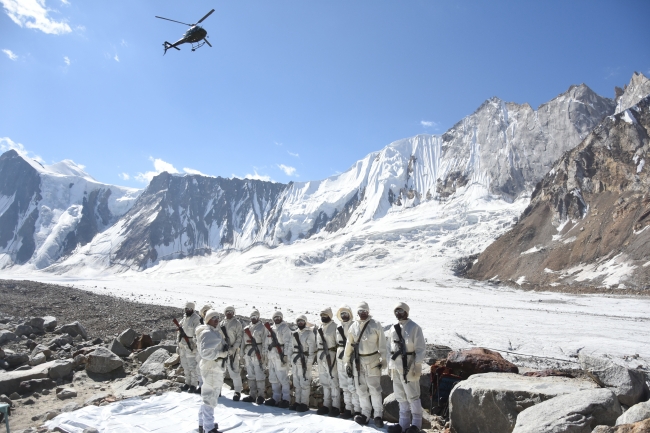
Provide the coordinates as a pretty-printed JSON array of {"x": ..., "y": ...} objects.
[{"x": 102, "y": 315}]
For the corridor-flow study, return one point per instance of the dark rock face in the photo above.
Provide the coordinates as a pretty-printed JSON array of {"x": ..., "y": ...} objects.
[
  {"x": 21, "y": 181},
  {"x": 95, "y": 217},
  {"x": 590, "y": 212},
  {"x": 194, "y": 215}
]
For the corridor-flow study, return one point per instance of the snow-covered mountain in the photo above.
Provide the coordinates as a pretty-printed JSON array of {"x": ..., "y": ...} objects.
[
  {"x": 497, "y": 154},
  {"x": 47, "y": 212}
]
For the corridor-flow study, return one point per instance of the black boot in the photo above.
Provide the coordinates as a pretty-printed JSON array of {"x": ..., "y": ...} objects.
[
  {"x": 379, "y": 423},
  {"x": 412, "y": 429},
  {"x": 185, "y": 387},
  {"x": 197, "y": 390},
  {"x": 283, "y": 404},
  {"x": 201, "y": 429},
  {"x": 394, "y": 428},
  {"x": 293, "y": 406},
  {"x": 192, "y": 390},
  {"x": 361, "y": 419},
  {"x": 236, "y": 397},
  {"x": 302, "y": 407},
  {"x": 270, "y": 402},
  {"x": 260, "y": 399},
  {"x": 334, "y": 411},
  {"x": 347, "y": 414},
  {"x": 323, "y": 410},
  {"x": 215, "y": 429},
  {"x": 248, "y": 399}
]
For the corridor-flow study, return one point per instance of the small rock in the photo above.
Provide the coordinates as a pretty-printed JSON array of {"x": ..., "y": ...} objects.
[
  {"x": 158, "y": 335},
  {"x": 72, "y": 329},
  {"x": 37, "y": 323},
  {"x": 118, "y": 348},
  {"x": 2, "y": 353},
  {"x": 97, "y": 341},
  {"x": 5, "y": 399},
  {"x": 49, "y": 323},
  {"x": 173, "y": 360},
  {"x": 91, "y": 430},
  {"x": 96, "y": 398},
  {"x": 103, "y": 360},
  {"x": 16, "y": 359},
  {"x": 23, "y": 330},
  {"x": 38, "y": 359},
  {"x": 40, "y": 348},
  {"x": 127, "y": 337},
  {"x": 14, "y": 396},
  {"x": 636, "y": 413},
  {"x": 51, "y": 415},
  {"x": 29, "y": 401},
  {"x": 61, "y": 368},
  {"x": 66, "y": 393},
  {"x": 154, "y": 367}
]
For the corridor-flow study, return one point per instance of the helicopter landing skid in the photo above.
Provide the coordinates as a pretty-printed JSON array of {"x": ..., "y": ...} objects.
[{"x": 197, "y": 45}]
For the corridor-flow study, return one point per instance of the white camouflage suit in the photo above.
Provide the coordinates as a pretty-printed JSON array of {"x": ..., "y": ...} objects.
[
  {"x": 235, "y": 333},
  {"x": 255, "y": 371},
  {"x": 189, "y": 356},
  {"x": 372, "y": 349},
  {"x": 330, "y": 382},
  {"x": 407, "y": 393},
  {"x": 211, "y": 345},
  {"x": 202, "y": 312},
  {"x": 350, "y": 397},
  {"x": 278, "y": 371},
  {"x": 302, "y": 378}
]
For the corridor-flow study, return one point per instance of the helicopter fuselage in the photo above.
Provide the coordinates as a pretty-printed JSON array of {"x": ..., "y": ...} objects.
[{"x": 195, "y": 34}]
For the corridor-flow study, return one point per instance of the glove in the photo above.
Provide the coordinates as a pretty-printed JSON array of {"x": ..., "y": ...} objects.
[
  {"x": 381, "y": 364},
  {"x": 348, "y": 370},
  {"x": 226, "y": 347}
]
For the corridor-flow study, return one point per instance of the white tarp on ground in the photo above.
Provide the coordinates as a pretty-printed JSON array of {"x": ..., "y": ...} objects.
[{"x": 178, "y": 413}]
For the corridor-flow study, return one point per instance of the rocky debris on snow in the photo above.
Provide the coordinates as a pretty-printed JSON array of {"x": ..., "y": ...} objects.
[
  {"x": 467, "y": 362},
  {"x": 636, "y": 413},
  {"x": 490, "y": 402},
  {"x": 577, "y": 412},
  {"x": 154, "y": 367},
  {"x": 629, "y": 385},
  {"x": 638, "y": 427},
  {"x": 102, "y": 360}
]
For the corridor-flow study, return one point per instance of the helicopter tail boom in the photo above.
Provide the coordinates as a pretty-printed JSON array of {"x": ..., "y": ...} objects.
[{"x": 167, "y": 46}]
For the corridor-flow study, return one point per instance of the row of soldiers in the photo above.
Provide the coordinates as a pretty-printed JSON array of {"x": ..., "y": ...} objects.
[{"x": 350, "y": 358}]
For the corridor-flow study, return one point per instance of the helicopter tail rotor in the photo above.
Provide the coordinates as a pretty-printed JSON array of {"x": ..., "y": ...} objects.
[{"x": 167, "y": 46}]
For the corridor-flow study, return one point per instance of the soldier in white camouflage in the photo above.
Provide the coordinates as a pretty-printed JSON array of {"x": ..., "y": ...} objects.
[
  {"x": 235, "y": 332},
  {"x": 255, "y": 357}
]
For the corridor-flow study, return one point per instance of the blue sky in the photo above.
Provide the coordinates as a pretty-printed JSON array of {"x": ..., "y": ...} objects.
[{"x": 291, "y": 90}]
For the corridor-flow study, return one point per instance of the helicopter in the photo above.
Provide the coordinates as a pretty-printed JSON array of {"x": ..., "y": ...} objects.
[{"x": 195, "y": 35}]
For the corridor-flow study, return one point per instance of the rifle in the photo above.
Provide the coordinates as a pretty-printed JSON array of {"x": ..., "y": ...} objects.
[
  {"x": 402, "y": 351},
  {"x": 357, "y": 358},
  {"x": 345, "y": 340},
  {"x": 247, "y": 331},
  {"x": 182, "y": 334},
  {"x": 326, "y": 349},
  {"x": 230, "y": 357},
  {"x": 275, "y": 343},
  {"x": 301, "y": 355}
]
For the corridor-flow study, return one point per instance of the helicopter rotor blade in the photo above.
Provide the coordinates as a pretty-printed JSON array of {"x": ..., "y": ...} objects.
[
  {"x": 206, "y": 15},
  {"x": 163, "y": 18}
]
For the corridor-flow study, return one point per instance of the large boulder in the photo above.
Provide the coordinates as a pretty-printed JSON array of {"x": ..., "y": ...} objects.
[
  {"x": 17, "y": 359},
  {"x": 37, "y": 359},
  {"x": 479, "y": 360},
  {"x": 61, "y": 368},
  {"x": 628, "y": 385},
  {"x": 490, "y": 402},
  {"x": 102, "y": 360},
  {"x": 41, "y": 349},
  {"x": 158, "y": 335},
  {"x": 7, "y": 336},
  {"x": 25, "y": 330},
  {"x": 169, "y": 346},
  {"x": 579, "y": 412},
  {"x": 49, "y": 323},
  {"x": 154, "y": 366},
  {"x": 127, "y": 337},
  {"x": 10, "y": 380},
  {"x": 118, "y": 348},
  {"x": 391, "y": 409},
  {"x": 637, "y": 427},
  {"x": 636, "y": 413},
  {"x": 72, "y": 329}
]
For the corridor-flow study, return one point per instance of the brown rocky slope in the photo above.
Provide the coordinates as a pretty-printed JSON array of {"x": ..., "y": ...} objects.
[{"x": 587, "y": 223}]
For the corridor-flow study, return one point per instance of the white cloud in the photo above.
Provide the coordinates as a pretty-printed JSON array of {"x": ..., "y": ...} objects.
[
  {"x": 289, "y": 171},
  {"x": 65, "y": 2},
  {"x": 124, "y": 43},
  {"x": 117, "y": 59},
  {"x": 192, "y": 171},
  {"x": 428, "y": 124},
  {"x": 124, "y": 176},
  {"x": 33, "y": 14},
  {"x": 159, "y": 166},
  {"x": 10, "y": 54},
  {"x": 66, "y": 59},
  {"x": 293, "y": 154},
  {"x": 7, "y": 143},
  {"x": 257, "y": 176}
]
